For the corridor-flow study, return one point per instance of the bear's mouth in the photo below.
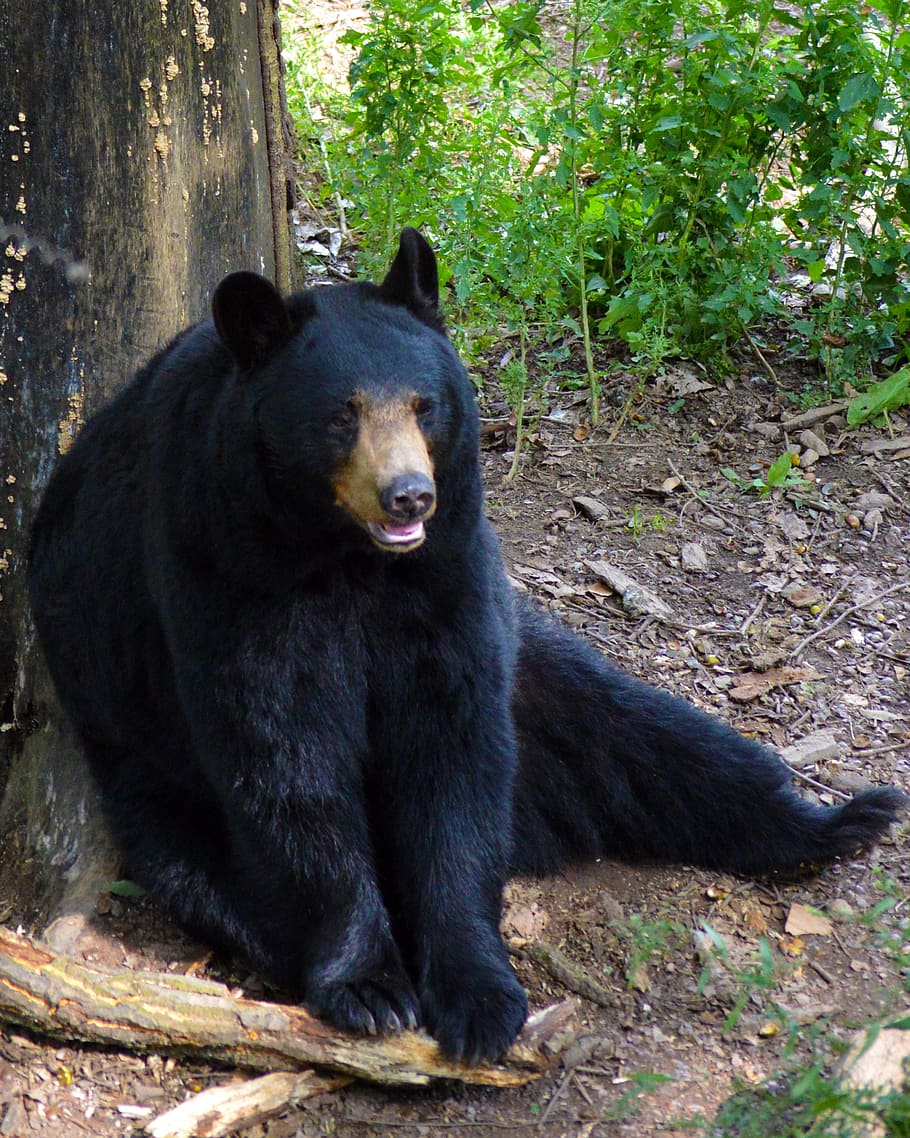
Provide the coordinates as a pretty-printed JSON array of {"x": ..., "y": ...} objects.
[{"x": 398, "y": 537}]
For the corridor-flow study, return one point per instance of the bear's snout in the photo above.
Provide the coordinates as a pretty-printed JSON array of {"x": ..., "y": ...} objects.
[{"x": 408, "y": 497}]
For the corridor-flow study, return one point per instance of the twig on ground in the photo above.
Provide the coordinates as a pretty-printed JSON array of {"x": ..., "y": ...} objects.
[
  {"x": 753, "y": 615},
  {"x": 555, "y": 1097},
  {"x": 714, "y": 505},
  {"x": 772, "y": 374},
  {"x": 810, "y": 781},
  {"x": 566, "y": 971},
  {"x": 902, "y": 587}
]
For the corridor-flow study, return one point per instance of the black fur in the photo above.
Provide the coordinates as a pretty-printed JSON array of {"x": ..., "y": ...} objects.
[{"x": 329, "y": 756}]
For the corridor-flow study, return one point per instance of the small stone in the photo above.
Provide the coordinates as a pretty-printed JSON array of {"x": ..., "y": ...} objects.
[
  {"x": 841, "y": 909},
  {"x": 811, "y": 441},
  {"x": 809, "y": 457},
  {"x": 693, "y": 556},
  {"x": 803, "y": 596},
  {"x": 873, "y": 518},
  {"x": 874, "y": 501},
  {"x": 811, "y": 749},
  {"x": 849, "y": 781},
  {"x": 592, "y": 508},
  {"x": 713, "y": 522},
  {"x": 770, "y": 431}
]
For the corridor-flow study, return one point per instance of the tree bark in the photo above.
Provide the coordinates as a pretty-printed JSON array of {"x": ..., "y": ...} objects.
[
  {"x": 143, "y": 154},
  {"x": 59, "y": 997}
]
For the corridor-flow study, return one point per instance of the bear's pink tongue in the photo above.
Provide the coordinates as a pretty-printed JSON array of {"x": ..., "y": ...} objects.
[{"x": 392, "y": 534}]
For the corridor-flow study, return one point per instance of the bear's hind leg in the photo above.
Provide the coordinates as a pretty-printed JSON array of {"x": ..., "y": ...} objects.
[{"x": 610, "y": 766}]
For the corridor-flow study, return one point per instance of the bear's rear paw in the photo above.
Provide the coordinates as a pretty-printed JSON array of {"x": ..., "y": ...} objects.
[
  {"x": 376, "y": 1003},
  {"x": 475, "y": 1015}
]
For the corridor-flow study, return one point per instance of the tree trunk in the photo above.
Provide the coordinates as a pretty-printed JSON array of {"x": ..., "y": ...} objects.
[{"x": 143, "y": 154}]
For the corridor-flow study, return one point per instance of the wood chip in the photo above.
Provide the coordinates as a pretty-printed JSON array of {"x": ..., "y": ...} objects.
[
  {"x": 815, "y": 415},
  {"x": 636, "y": 599},
  {"x": 223, "y": 1110},
  {"x": 883, "y": 446}
]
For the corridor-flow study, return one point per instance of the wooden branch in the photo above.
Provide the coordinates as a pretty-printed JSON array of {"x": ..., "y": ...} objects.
[
  {"x": 236, "y": 1106},
  {"x": 59, "y": 997},
  {"x": 576, "y": 978}
]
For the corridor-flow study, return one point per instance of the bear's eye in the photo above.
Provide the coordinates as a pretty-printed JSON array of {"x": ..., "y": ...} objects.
[
  {"x": 423, "y": 408},
  {"x": 345, "y": 419}
]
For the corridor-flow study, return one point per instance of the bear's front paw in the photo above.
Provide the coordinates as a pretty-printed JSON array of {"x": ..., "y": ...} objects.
[
  {"x": 475, "y": 1015},
  {"x": 382, "y": 1002}
]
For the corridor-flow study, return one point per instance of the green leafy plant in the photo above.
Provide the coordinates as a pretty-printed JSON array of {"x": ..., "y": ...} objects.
[
  {"x": 652, "y": 178},
  {"x": 880, "y": 398},
  {"x": 781, "y": 474},
  {"x": 813, "y": 1102}
]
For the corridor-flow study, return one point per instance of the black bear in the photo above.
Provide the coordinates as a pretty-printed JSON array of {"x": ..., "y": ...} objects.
[{"x": 324, "y": 729}]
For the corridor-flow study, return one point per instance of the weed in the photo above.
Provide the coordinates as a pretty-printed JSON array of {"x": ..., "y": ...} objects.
[
  {"x": 628, "y": 1103},
  {"x": 638, "y": 523},
  {"x": 880, "y": 398},
  {"x": 812, "y": 1102},
  {"x": 891, "y": 923},
  {"x": 645, "y": 940},
  {"x": 781, "y": 474}
]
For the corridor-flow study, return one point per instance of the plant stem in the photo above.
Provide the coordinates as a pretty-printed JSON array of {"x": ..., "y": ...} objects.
[
  {"x": 520, "y": 402},
  {"x": 593, "y": 384}
]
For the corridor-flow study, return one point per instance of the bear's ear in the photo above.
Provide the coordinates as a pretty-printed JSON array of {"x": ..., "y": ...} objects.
[
  {"x": 250, "y": 317},
  {"x": 412, "y": 282}
]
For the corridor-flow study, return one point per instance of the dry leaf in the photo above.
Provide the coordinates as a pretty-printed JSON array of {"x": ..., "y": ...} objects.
[
  {"x": 802, "y": 921},
  {"x": 803, "y": 596},
  {"x": 754, "y": 918},
  {"x": 793, "y": 947},
  {"x": 754, "y": 684}
]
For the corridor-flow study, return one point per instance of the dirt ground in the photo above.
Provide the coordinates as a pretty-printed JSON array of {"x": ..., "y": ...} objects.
[{"x": 748, "y": 580}]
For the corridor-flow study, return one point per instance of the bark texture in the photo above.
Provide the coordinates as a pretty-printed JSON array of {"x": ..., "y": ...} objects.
[
  {"x": 143, "y": 155},
  {"x": 59, "y": 997}
]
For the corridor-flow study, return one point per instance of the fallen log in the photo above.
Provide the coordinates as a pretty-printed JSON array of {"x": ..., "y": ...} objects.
[{"x": 61, "y": 998}]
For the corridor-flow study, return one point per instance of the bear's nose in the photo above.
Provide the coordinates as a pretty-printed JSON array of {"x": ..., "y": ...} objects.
[{"x": 408, "y": 497}]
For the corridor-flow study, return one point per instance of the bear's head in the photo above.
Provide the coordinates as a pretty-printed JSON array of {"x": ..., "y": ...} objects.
[{"x": 362, "y": 408}]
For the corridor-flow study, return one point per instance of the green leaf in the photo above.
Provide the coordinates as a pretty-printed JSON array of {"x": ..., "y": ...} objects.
[
  {"x": 125, "y": 888},
  {"x": 888, "y": 395},
  {"x": 778, "y": 470},
  {"x": 858, "y": 89},
  {"x": 699, "y": 37}
]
